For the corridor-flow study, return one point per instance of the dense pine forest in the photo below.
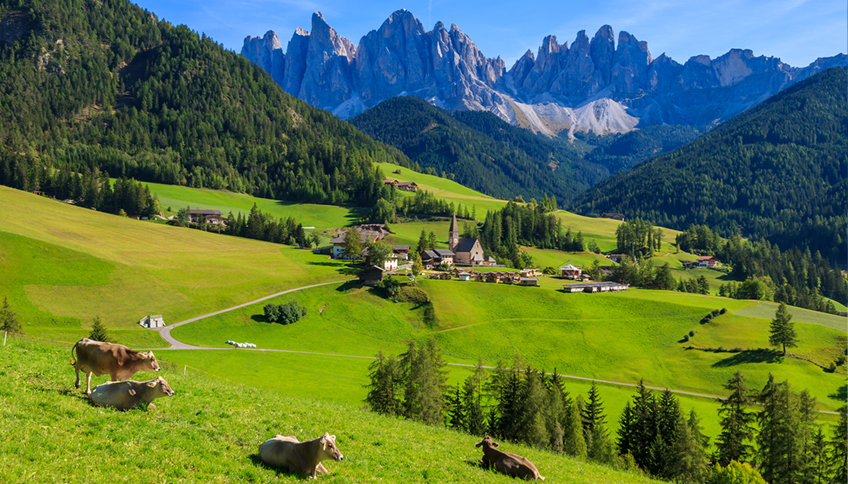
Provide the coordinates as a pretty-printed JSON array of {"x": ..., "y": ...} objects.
[
  {"x": 777, "y": 172},
  {"x": 478, "y": 150},
  {"x": 106, "y": 85}
]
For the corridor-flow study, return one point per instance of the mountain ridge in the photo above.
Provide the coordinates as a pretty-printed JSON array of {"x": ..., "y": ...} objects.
[{"x": 594, "y": 85}]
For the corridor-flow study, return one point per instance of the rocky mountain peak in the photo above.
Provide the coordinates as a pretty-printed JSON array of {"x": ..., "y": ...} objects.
[{"x": 557, "y": 87}]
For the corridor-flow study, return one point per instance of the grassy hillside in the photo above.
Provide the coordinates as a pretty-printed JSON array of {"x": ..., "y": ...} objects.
[
  {"x": 619, "y": 337},
  {"x": 64, "y": 265},
  {"x": 210, "y": 430}
]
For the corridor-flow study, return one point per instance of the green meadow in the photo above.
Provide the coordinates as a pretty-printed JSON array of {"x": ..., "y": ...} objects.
[{"x": 210, "y": 430}]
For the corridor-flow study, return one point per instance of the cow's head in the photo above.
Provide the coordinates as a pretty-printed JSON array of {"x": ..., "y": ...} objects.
[
  {"x": 488, "y": 442},
  {"x": 161, "y": 387},
  {"x": 150, "y": 360},
  {"x": 328, "y": 445}
]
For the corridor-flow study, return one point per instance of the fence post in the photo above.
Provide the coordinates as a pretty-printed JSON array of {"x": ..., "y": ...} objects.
[
  {"x": 4, "y": 337},
  {"x": 184, "y": 370}
]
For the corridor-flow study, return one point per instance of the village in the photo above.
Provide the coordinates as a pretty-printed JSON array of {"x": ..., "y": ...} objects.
[{"x": 464, "y": 260}]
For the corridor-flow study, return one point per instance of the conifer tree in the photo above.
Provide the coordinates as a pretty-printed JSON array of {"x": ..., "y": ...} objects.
[
  {"x": 8, "y": 319},
  {"x": 98, "y": 330},
  {"x": 777, "y": 446},
  {"x": 456, "y": 412},
  {"x": 422, "y": 243},
  {"x": 573, "y": 442},
  {"x": 384, "y": 390},
  {"x": 839, "y": 449},
  {"x": 686, "y": 457},
  {"x": 736, "y": 423},
  {"x": 472, "y": 401},
  {"x": 782, "y": 329},
  {"x": 431, "y": 241}
]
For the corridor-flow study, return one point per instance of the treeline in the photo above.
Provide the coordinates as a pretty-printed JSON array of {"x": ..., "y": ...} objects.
[
  {"x": 794, "y": 277},
  {"x": 107, "y": 85},
  {"x": 91, "y": 189},
  {"x": 260, "y": 226},
  {"x": 654, "y": 434},
  {"x": 638, "y": 236},
  {"x": 391, "y": 204},
  {"x": 517, "y": 224},
  {"x": 775, "y": 172}
]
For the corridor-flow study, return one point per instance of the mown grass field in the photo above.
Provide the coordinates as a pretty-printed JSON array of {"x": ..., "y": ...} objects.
[
  {"x": 620, "y": 337},
  {"x": 63, "y": 265},
  {"x": 211, "y": 429}
]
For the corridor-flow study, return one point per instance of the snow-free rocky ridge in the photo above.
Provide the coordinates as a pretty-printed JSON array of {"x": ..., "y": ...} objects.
[{"x": 594, "y": 84}]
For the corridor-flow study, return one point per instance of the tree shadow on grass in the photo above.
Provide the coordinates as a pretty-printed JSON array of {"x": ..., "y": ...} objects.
[
  {"x": 840, "y": 394},
  {"x": 347, "y": 286},
  {"x": 750, "y": 356},
  {"x": 259, "y": 318}
]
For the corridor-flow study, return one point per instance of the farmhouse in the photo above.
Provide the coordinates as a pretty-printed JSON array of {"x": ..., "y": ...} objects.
[
  {"x": 371, "y": 276},
  {"x": 152, "y": 321},
  {"x": 390, "y": 264},
  {"x": 367, "y": 232},
  {"x": 402, "y": 252},
  {"x": 617, "y": 258},
  {"x": 614, "y": 216},
  {"x": 592, "y": 287},
  {"x": 407, "y": 186},
  {"x": 707, "y": 261},
  {"x": 569, "y": 271},
  {"x": 528, "y": 281},
  {"x": 211, "y": 216},
  {"x": 436, "y": 257}
]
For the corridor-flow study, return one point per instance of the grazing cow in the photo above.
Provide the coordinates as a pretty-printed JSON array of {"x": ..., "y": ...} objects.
[
  {"x": 303, "y": 457},
  {"x": 118, "y": 361},
  {"x": 125, "y": 395},
  {"x": 506, "y": 463}
]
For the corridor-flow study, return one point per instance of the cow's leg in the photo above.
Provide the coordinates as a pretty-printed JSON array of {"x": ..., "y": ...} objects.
[
  {"x": 113, "y": 375},
  {"x": 88, "y": 384},
  {"x": 320, "y": 469},
  {"x": 77, "y": 383}
]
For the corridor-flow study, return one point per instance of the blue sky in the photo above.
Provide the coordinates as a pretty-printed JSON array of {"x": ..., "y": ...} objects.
[{"x": 796, "y": 31}]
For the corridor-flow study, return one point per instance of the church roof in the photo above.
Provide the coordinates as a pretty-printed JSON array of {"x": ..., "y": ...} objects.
[
  {"x": 454, "y": 227},
  {"x": 465, "y": 245}
]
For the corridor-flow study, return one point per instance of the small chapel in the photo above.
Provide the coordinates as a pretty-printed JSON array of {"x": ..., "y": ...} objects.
[{"x": 468, "y": 252}]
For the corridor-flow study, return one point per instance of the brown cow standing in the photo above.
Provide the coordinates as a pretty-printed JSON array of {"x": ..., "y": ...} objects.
[
  {"x": 303, "y": 457},
  {"x": 125, "y": 395},
  {"x": 507, "y": 463},
  {"x": 118, "y": 361}
]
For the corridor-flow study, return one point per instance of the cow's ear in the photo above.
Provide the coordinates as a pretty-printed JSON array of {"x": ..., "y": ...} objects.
[
  {"x": 495, "y": 444},
  {"x": 150, "y": 354},
  {"x": 151, "y": 384},
  {"x": 324, "y": 442},
  {"x": 333, "y": 438}
]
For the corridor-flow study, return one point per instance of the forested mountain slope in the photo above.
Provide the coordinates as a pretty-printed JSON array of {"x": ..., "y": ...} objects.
[
  {"x": 104, "y": 84},
  {"x": 777, "y": 171},
  {"x": 482, "y": 151}
]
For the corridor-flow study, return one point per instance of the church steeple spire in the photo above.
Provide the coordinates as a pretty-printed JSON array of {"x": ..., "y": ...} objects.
[{"x": 453, "y": 235}]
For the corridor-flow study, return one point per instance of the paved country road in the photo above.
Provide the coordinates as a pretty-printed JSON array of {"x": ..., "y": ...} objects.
[{"x": 165, "y": 332}]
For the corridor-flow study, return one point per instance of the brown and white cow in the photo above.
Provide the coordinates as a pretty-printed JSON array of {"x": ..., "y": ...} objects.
[
  {"x": 507, "y": 463},
  {"x": 118, "y": 361},
  {"x": 125, "y": 395},
  {"x": 302, "y": 457}
]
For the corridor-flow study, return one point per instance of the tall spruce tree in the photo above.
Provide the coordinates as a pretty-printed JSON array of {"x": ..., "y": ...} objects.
[
  {"x": 8, "y": 319},
  {"x": 386, "y": 383},
  {"x": 472, "y": 401},
  {"x": 777, "y": 445},
  {"x": 782, "y": 329},
  {"x": 839, "y": 449},
  {"x": 736, "y": 423},
  {"x": 98, "y": 330},
  {"x": 573, "y": 442}
]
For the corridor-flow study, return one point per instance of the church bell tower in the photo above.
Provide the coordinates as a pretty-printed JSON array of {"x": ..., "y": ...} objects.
[{"x": 453, "y": 235}]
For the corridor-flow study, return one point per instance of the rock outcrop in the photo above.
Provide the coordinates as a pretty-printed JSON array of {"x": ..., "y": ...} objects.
[{"x": 595, "y": 85}]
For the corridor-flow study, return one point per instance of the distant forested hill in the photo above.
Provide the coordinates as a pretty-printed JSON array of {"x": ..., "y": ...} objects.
[
  {"x": 777, "y": 171},
  {"x": 103, "y": 84},
  {"x": 481, "y": 150}
]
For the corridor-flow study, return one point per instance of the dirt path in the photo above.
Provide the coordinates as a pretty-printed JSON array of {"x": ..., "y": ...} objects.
[
  {"x": 177, "y": 345},
  {"x": 165, "y": 332}
]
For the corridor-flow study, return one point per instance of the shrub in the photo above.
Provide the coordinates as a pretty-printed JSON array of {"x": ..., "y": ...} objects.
[
  {"x": 832, "y": 367},
  {"x": 840, "y": 360},
  {"x": 685, "y": 338},
  {"x": 723, "y": 310},
  {"x": 549, "y": 271},
  {"x": 288, "y": 313},
  {"x": 691, "y": 333},
  {"x": 390, "y": 287},
  {"x": 413, "y": 295}
]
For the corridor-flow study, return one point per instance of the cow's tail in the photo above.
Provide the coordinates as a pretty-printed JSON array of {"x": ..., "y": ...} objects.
[{"x": 74, "y": 362}]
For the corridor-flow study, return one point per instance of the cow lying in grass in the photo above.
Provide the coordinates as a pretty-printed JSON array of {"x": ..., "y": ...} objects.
[
  {"x": 125, "y": 395},
  {"x": 302, "y": 457},
  {"x": 506, "y": 463},
  {"x": 118, "y": 361}
]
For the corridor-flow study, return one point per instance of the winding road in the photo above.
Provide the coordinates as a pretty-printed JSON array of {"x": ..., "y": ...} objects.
[{"x": 165, "y": 332}]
